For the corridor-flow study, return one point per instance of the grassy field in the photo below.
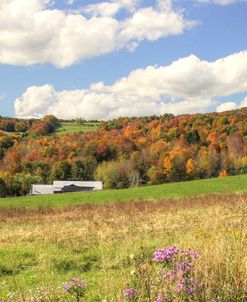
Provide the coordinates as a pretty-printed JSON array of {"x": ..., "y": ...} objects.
[
  {"x": 73, "y": 127},
  {"x": 182, "y": 189},
  {"x": 111, "y": 245}
]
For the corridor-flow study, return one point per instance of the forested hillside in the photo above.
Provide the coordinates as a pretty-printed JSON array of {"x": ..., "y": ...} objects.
[{"x": 129, "y": 152}]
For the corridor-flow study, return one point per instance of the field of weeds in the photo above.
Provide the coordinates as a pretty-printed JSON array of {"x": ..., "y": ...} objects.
[{"x": 109, "y": 251}]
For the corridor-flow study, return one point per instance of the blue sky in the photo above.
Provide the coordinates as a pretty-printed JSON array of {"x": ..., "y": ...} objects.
[{"x": 42, "y": 84}]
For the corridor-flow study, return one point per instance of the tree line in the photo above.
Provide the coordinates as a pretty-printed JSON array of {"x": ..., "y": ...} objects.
[{"x": 129, "y": 152}]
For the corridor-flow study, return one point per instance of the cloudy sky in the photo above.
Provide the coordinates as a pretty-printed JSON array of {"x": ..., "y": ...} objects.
[{"x": 104, "y": 59}]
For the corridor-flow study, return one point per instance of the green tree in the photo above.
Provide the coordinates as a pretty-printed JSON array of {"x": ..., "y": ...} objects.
[
  {"x": 62, "y": 171},
  {"x": 24, "y": 182},
  {"x": 3, "y": 188},
  {"x": 109, "y": 174},
  {"x": 155, "y": 175},
  {"x": 82, "y": 170}
]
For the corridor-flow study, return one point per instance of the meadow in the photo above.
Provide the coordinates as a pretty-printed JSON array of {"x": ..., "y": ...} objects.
[
  {"x": 175, "y": 190},
  {"x": 68, "y": 127},
  {"x": 111, "y": 246}
]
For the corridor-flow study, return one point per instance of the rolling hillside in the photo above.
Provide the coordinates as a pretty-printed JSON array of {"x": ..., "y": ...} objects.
[
  {"x": 122, "y": 153},
  {"x": 157, "y": 192}
]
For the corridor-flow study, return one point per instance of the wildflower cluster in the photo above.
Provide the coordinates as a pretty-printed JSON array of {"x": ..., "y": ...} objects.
[
  {"x": 76, "y": 288},
  {"x": 175, "y": 277},
  {"x": 177, "y": 269},
  {"x": 130, "y": 294}
]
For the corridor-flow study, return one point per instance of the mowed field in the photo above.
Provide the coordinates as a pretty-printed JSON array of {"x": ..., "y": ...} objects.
[
  {"x": 74, "y": 127},
  {"x": 175, "y": 190},
  {"x": 111, "y": 246}
]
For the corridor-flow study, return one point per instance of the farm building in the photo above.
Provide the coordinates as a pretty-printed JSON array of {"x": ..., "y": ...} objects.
[
  {"x": 41, "y": 189},
  {"x": 66, "y": 186}
]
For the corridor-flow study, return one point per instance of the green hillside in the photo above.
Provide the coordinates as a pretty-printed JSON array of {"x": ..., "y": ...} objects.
[
  {"x": 68, "y": 127},
  {"x": 181, "y": 189}
]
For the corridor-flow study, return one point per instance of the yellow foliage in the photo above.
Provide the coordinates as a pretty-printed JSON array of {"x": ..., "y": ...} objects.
[
  {"x": 190, "y": 167},
  {"x": 167, "y": 165}
]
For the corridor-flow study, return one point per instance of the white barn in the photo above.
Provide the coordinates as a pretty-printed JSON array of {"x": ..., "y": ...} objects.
[
  {"x": 42, "y": 189},
  {"x": 66, "y": 186}
]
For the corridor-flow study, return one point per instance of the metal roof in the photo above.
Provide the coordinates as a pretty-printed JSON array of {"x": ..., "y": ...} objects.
[{"x": 58, "y": 185}]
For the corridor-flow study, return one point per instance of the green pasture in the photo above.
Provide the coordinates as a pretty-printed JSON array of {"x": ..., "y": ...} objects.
[
  {"x": 178, "y": 190},
  {"x": 74, "y": 127}
]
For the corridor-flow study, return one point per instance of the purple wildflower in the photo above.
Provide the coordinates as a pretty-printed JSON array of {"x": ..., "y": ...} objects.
[
  {"x": 183, "y": 267},
  {"x": 166, "y": 254},
  {"x": 190, "y": 290},
  {"x": 190, "y": 254},
  {"x": 82, "y": 284},
  {"x": 170, "y": 274},
  {"x": 75, "y": 280},
  {"x": 76, "y": 287},
  {"x": 130, "y": 293},
  {"x": 67, "y": 287},
  {"x": 159, "y": 299},
  {"x": 179, "y": 286}
]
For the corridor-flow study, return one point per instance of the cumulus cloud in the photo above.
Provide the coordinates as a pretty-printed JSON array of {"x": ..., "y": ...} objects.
[
  {"x": 31, "y": 32},
  {"x": 36, "y": 100},
  {"x": 187, "y": 85},
  {"x": 226, "y": 106}
]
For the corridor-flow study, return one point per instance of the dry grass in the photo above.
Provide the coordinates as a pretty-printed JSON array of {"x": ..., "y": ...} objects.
[{"x": 45, "y": 247}]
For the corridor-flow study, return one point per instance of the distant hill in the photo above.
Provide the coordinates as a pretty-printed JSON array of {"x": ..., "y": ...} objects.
[
  {"x": 124, "y": 152},
  {"x": 46, "y": 126}
]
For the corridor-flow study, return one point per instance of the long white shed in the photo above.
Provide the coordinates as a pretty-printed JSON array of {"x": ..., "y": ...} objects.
[{"x": 42, "y": 189}]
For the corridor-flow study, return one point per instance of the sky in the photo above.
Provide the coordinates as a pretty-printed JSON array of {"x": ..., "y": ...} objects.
[{"x": 111, "y": 58}]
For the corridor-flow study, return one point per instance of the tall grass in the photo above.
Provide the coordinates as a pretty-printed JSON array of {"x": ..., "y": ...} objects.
[{"x": 41, "y": 249}]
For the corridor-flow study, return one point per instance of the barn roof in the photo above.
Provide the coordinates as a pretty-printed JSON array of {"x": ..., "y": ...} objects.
[{"x": 58, "y": 185}]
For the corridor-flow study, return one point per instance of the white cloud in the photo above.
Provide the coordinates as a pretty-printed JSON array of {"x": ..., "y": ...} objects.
[
  {"x": 36, "y": 99},
  {"x": 244, "y": 103},
  {"x": 2, "y": 96},
  {"x": 226, "y": 106},
  {"x": 70, "y": 2},
  {"x": 186, "y": 86},
  {"x": 32, "y": 33},
  {"x": 139, "y": 27},
  {"x": 105, "y": 9},
  {"x": 110, "y": 9}
]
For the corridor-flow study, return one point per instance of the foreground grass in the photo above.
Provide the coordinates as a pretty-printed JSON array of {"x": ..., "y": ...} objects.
[
  {"x": 182, "y": 189},
  {"x": 73, "y": 127},
  {"x": 43, "y": 248}
]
